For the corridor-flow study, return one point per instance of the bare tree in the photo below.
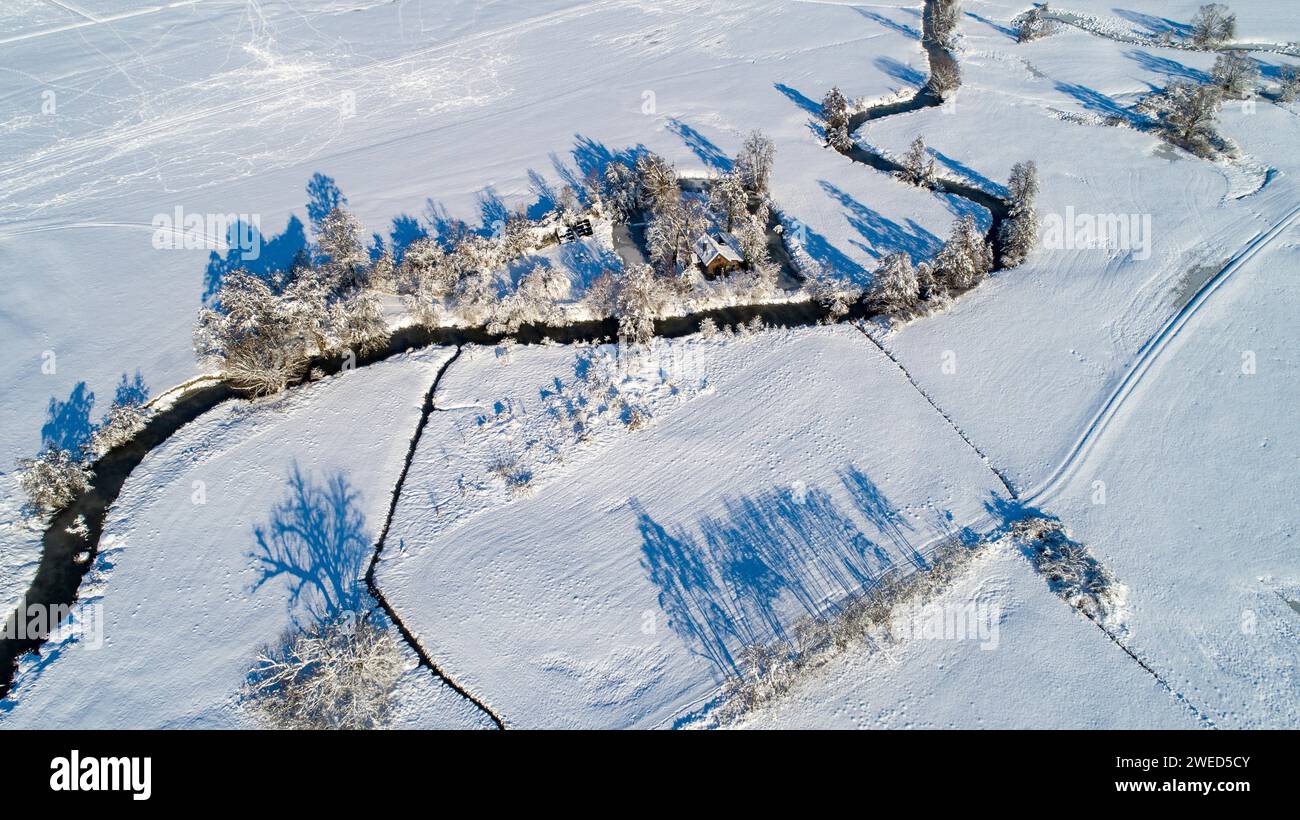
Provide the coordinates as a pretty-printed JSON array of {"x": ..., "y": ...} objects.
[
  {"x": 1235, "y": 74},
  {"x": 1213, "y": 24},
  {"x": 945, "y": 78},
  {"x": 1188, "y": 112},
  {"x": 340, "y": 674}
]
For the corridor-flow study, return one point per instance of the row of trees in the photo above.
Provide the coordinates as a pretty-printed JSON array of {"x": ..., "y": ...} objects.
[{"x": 902, "y": 289}]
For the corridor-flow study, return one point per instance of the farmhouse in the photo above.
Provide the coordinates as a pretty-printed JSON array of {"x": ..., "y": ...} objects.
[{"x": 717, "y": 253}]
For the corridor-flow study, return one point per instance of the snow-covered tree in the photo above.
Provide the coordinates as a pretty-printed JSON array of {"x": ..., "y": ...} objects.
[
  {"x": 619, "y": 189},
  {"x": 751, "y": 236},
  {"x": 640, "y": 298},
  {"x": 424, "y": 278},
  {"x": 339, "y": 675},
  {"x": 672, "y": 229},
  {"x": 355, "y": 321},
  {"x": 1289, "y": 84},
  {"x": 894, "y": 288},
  {"x": 345, "y": 260},
  {"x": 657, "y": 181},
  {"x": 1213, "y": 24},
  {"x": 1235, "y": 74},
  {"x": 754, "y": 162},
  {"x": 1018, "y": 234},
  {"x": 254, "y": 336},
  {"x": 52, "y": 480},
  {"x": 533, "y": 300},
  {"x": 966, "y": 258},
  {"x": 939, "y": 22},
  {"x": 835, "y": 115},
  {"x": 121, "y": 423},
  {"x": 1188, "y": 112},
  {"x": 918, "y": 165},
  {"x": 833, "y": 295},
  {"x": 729, "y": 199}
]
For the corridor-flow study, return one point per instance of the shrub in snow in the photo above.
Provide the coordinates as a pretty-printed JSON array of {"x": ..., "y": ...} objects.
[
  {"x": 1070, "y": 569},
  {"x": 918, "y": 165},
  {"x": 1019, "y": 232},
  {"x": 1213, "y": 24},
  {"x": 966, "y": 258},
  {"x": 52, "y": 480},
  {"x": 121, "y": 424},
  {"x": 894, "y": 287},
  {"x": 340, "y": 674},
  {"x": 708, "y": 328},
  {"x": 1235, "y": 74},
  {"x": 764, "y": 671},
  {"x": 754, "y": 162}
]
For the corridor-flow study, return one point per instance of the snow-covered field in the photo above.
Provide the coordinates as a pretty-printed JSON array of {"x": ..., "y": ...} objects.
[
  {"x": 579, "y": 557},
  {"x": 255, "y": 517}
]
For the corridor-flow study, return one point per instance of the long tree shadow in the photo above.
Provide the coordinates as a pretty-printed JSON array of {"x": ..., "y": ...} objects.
[
  {"x": 1169, "y": 68},
  {"x": 264, "y": 257},
  {"x": 704, "y": 148},
  {"x": 899, "y": 28},
  {"x": 768, "y": 560},
  {"x": 1097, "y": 103},
  {"x": 317, "y": 539},
  {"x": 883, "y": 234},
  {"x": 67, "y": 423},
  {"x": 900, "y": 71},
  {"x": 1154, "y": 24}
]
